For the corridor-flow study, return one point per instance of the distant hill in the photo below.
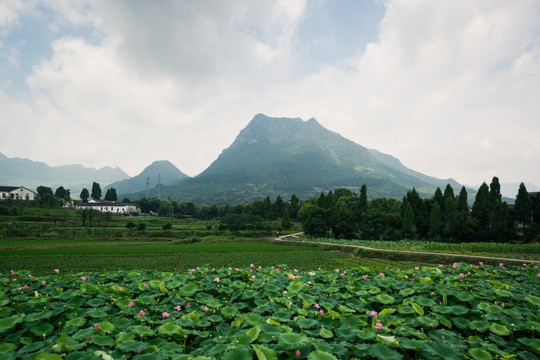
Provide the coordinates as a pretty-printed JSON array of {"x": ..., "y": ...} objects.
[
  {"x": 159, "y": 172},
  {"x": 31, "y": 174},
  {"x": 272, "y": 156}
]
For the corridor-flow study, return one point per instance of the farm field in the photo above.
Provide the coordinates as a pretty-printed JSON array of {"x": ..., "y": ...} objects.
[
  {"x": 173, "y": 256},
  {"x": 257, "y": 312}
]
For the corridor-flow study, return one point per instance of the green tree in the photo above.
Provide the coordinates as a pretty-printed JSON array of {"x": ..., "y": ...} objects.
[
  {"x": 435, "y": 222},
  {"x": 62, "y": 194},
  {"x": 294, "y": 206},
  {"x": 482, "y": 211},
  {"x": 362, "y": 201},
  {"x": 523, "y": 207},
  {"x": 463, "y": 202},
  {"x": 46, "y": 197},
  {"x": 439, "y": 199},
  {"x": 84, "y": 195},
  {"x": 96, "y": 191},
  {"x": 110, "y": 194},
  {"x": 285, "y": 220},
  {"x": 450, "y": 215},
  {"x": 165, "y": 208},
  {"x": 409, "y": 228},
  {"x": 277, "y": 207},
  {"x": 495, "y": 190},
  {"x": 313, "y": 220}
]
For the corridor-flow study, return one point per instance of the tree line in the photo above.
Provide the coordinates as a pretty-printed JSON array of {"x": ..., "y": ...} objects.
[{"x": 443, "y": 217}]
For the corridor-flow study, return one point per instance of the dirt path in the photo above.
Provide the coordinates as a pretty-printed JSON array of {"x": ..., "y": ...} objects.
[{"x": 283, "y": 240}]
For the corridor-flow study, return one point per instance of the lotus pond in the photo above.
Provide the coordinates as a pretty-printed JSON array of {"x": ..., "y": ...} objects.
[{"x": 453, "y": 312}]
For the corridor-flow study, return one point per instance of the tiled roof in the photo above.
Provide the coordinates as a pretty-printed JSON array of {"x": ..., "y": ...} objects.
[{"x": 9, "y": 188}]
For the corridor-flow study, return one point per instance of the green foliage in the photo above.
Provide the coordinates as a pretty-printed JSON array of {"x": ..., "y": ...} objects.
[
  {"x": 84, "y": 195},
  {"x": 110, "y": 194},
  {"x": 248, "y": 312},
  {"x": 96, "y": 191}
]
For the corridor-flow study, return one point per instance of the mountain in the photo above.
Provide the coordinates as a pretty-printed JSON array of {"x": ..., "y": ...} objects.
[
  {"x": 159, "y": 172},
  {"x": 272, "y": 156},
  {"x": 31, "y": 174}
]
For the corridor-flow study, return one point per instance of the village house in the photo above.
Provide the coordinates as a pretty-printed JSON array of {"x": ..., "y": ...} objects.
[
  {"x": 17, "y": 193},
  {"x": 109, "y": 206}
]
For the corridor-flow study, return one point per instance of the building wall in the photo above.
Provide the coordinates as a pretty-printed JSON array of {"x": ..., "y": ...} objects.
[{"x": 18, "y": 194}]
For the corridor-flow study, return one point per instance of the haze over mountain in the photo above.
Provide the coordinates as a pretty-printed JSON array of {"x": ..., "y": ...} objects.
[
  {"x": 159, "y": 172},
  {"x": 31, "y": 174},
  {"x": 272, "y": 156}
]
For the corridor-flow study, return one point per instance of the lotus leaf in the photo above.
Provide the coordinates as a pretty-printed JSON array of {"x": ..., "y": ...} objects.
[
  {"x": 535, "y": 300},
  {"x": 479, "y": 354},
  {"x": 293, "y": 341},
  {"x": 47, "y": 356},
  {"x": 383, "y": 352},
  {"x": 385, "y": 299},
  {"x": 239, "y": 353},
  {"x": 388, "y": 341},
  {"x": 264, "y": 353},
  {"x": 72, "y": 345},
  {"x": 102, "y": 340},
  {"x": 417, "y": 309},
  {"x": 188, "y": 290},
  {"x": 325, "y": 333},
  {"x": 320, "y": 355},
  {"x": 480, "y": 325},
  {"x": 10, "y": 322},
  {"x": 499, "y": 329},
  {"x": 42, "y": 329}
]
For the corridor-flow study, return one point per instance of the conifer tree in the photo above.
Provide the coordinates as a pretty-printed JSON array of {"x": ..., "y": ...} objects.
[
  {"x": 435, "y": 222},
  {"x": 523, "y": 206}
]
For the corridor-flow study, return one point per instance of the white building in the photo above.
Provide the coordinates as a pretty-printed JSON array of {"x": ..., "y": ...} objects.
[
  {"x": 16, "y": 193},
  {"x": 109, "y": 206}
]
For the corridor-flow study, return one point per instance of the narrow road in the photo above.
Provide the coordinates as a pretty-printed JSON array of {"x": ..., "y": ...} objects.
[{"x": 283, "y": 240}]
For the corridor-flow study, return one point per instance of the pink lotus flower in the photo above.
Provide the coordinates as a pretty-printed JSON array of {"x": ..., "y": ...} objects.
[
  {"x": 251, "y": 265},
  {"x": 131, "y": 304},
  {"x": 364, "y": 277},
  {"x": 317, "y": 306},
  {"x": 56, "y": 271},
  {"x": 120, "y": 289},
  {"x": 417, "y": 268},
  {"x": 378, "y": 326},
  {"x": 297, "y": 352},
  {"x": 13, "y": 279},
  {"x": 178, "y": 307},
  {"x": 145, "y": 285},
  {"x": 206, "y": 309},
  {"x": 165, "y": 314},
  {"x": 253, "y": 277},
  {"x": 321, "y": 311},
  {"x": 141, "y": 313},
  {"x": 260, "y": 267},
  {"x": 373, "y": 313},
  {"x": 13, "y": 273},
  {"x": 309, "y": 282},
  {"x": 381, "y": 274},
  {"x": 455, "y": 265},
  {"x": 139, "y": 350},
  {"x": 188, "y": 305},
  {"x": 216, "y": 279},
  {"x": 441, "y": 265},
  {"x": 462, "y": 275},
  {"x": 481, "y": 263},
  {"x": 31, "y": 277},
  {"x": 25, "y": 287},
  {"x": 96, "y": 328},
  {"x": 501, "y": 264},
  {"x": 284, "y": 291},
  {"x": 277, "y": 269},
  {"x": 83, "y": 278},
  {"x": 43, "y": 282}
]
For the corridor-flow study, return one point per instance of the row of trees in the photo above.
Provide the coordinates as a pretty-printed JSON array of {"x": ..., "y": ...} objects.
[
  {"x": 443, "y": 217},
  {"x": 110, "y": 195},
  {"x": 242, "y": 216}
]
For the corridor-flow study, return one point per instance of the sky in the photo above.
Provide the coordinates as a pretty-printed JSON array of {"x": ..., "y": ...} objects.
[{"x": 451, "y": 88}]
